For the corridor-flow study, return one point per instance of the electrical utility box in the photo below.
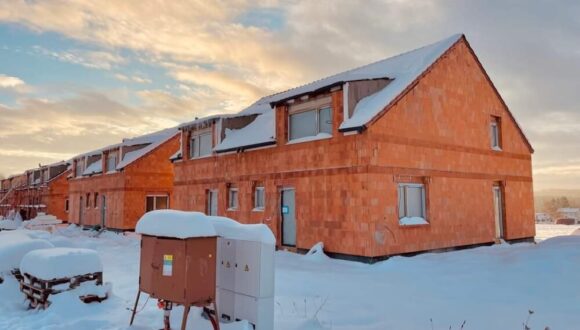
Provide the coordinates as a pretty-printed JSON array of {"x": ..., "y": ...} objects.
[
  {"x": 245, "y": 281},
  {"x": 182, "y": 271}
]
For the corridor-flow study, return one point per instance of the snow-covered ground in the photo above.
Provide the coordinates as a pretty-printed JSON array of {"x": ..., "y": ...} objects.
[
  {"x": 487, "y": 287},
  {"x": 545, "y": 231}
]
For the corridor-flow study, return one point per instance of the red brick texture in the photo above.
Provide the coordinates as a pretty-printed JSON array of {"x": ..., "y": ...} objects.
[
  {"x": 346, "y": 186},
  {"x": 125, "y": 191}
]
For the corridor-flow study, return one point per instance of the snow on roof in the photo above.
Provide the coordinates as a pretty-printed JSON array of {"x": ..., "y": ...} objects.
[
  {"x": 202, "y": 119},
  {"x": 260, "y": 131},
  {"x": 181, "y": 224},
  {"x": 48, "y": 264},
  {"x": 95, "y": 167},
  {"x": 152, "y": 141},
  {"x": 403, "y": 69},
  {"x": 175, "y": 224}
]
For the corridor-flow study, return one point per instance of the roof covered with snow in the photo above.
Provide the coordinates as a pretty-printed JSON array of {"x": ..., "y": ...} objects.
[
  {"x": 402, "y": 70},
  {"x": 95, "y": 167},
  {"x": 149, "y": 142}
]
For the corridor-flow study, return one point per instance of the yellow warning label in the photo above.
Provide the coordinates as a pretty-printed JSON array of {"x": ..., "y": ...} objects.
[{"x": 247, "y": 269}]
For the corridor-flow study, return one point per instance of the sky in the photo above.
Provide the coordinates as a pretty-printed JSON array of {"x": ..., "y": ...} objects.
[{"x": 80, "y": 74}]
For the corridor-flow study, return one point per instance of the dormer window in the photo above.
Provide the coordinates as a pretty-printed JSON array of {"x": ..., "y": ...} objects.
[
  {"x": 79, "y": 168},
  {"x": 310, "y": 119},
  {"x": 495, "y": 132},
  {"x": 200, "y": 145},
  {"x": 111, "y": 161}
]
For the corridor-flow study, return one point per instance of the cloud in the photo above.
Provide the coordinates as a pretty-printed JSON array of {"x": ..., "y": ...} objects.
[
  {"x": 90, "y": 59},
  {"x": 221, "y": 60},
  {"x": 10, "y": 82}
]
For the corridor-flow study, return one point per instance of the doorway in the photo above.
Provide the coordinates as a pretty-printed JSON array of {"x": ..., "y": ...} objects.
[
  {"x": 287, "y": 208},
  {"x": 81, "y": 211},
  {"x": 498, "y": 209},
  {"x": 103, "y": 210},
  {"x": 212, "y": 202}
]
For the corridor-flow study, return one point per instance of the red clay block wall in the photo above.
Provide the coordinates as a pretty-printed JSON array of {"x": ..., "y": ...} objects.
[
  {"x": 440, "y": 130},
  {"x": 57, "y": 195}
]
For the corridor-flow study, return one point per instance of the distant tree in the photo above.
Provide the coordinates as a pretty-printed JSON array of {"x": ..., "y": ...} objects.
[{"x": 564, "y": 202}]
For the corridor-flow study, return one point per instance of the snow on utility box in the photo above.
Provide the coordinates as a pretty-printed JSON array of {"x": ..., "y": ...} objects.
[{"x": 178, "y": 253}]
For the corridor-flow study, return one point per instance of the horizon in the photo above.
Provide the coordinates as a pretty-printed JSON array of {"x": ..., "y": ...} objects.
[{"x": 76, "y": 77}]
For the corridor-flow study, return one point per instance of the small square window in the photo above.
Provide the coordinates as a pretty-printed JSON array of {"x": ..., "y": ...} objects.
[
  {"x": 412, "y": 206},
  {"x": 156, "y": 203},
  {"x": 259, "y": 198},
  {"x": 233, "y": 199}
]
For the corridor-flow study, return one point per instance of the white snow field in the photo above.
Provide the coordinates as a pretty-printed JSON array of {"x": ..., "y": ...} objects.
[{"x": 487, "y": 287}]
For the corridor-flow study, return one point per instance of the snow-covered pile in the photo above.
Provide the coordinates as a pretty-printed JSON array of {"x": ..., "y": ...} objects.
[
  {"x": 14, "y": 246},
  {"x": 42, "y": 220},
  {"x": 48, "y": 264},
  {"x": 181, "y": 224}
]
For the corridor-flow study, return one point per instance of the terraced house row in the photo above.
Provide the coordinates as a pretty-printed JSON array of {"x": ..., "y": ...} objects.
[{"x": 412, "y": 153}]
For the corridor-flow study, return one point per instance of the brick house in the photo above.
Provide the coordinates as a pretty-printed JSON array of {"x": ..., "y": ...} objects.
[
  {"x": 114, "y": 186},
  {"x": 9, "y": 196},
  {"x": 42, "y": 189},
  {"x": 412, "y": 153}
]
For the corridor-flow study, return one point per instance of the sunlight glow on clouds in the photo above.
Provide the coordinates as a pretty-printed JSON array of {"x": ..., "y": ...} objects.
[{"x": 134, "y": 66}]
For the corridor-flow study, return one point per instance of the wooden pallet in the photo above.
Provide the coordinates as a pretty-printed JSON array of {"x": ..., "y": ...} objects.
[{"x": 38, "y": 291}]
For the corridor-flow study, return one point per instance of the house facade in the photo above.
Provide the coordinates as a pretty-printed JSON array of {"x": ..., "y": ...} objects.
[
  {"x": 43, "y": 189},
  {"x": 114, "y": 186},
  {"x": 412, "y": 153}
]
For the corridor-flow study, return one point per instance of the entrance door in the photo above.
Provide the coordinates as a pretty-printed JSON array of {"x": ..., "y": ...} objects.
[
  {"x": 288, "y": 217},
  {"x": 81, "y": 212},
  {"x": 498, "y": 211},
  {"x": 212, "y": 202},
  {"x": 103, "y": 210}
]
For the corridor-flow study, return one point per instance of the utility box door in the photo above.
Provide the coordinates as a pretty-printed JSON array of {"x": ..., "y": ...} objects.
[
  {"x": 168, "y": 265},
  {"x": 226, "y": 301},
  {"x": 226, "y": 263},
  {"x": 247, "y": 268},
  {"x": 200, "y": 272}
]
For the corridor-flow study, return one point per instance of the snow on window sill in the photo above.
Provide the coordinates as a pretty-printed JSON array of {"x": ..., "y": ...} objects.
[
  {"x": 232, "y": 209},
  {"x": 413, "y": 221},
  {"x": 258, "y": 209},
  {"x": 496, "y": 148},
  {"x": 319, "y": 136}
]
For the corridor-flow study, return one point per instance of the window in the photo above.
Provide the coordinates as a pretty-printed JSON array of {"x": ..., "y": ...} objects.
[
  {"x": 111, "y": 162},
  {"x": 200, "y": 145},
  {"x": 495, "y": 131},
  {"x": 412, "y": 203},
  {"x": 157, "y": 203},
  {"x": 259, "y": 198},
  {"x": 310, "y": 123},
  {"x": 96, "y": 202},
  {"x": 212, "y": 202},
  {"x": 66, "y": 205},
  {"x": 88, "y": 200},
  {"x": 46, "y": 176},
  {"x": 79, "y": 168},
  {"x": 233, "y": 199}
]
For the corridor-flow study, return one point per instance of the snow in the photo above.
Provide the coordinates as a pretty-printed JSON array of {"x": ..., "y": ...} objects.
[
  {"x": 488, "y": 287},
  {"x": 95, "y": 167},
  {"x": 403, "y": 69},
  {"x": 319, "y": 136},
  {"x": 48, "y": 264},
  {"x": 261, "y": 130},
  {"x": 175, "y": 224},
  {"x": 545, "y": 231},
  {"x": 181, "y": 224},
  {"x": 411, "y": 221},
  {"x": 13, "y": 221},
  {"x": 13, "y": 247},
  {"x": 228, "y": 228},
  {"x": 42, "y": 220}
]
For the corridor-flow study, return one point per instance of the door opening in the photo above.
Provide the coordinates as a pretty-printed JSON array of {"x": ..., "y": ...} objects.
[
  {"x": 287, "y": 209},
  {"x": 498, "y": 206}
]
